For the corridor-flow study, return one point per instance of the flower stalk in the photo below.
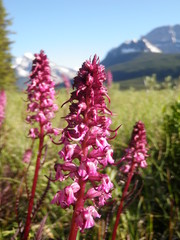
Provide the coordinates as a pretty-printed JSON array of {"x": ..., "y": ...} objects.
[
  {"x": 31, "y": 201},
  {"x": 135, "y": 157},
  {"x": 41, "y": 110},
  {"x": 79, "y": 205},
  {"x": 120, "y": 208}
]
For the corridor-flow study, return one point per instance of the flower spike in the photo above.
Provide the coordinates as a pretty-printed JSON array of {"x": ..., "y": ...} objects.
[{"x": 85, "y": 139}]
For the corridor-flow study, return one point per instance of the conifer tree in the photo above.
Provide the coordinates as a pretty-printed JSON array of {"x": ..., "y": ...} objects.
[{"x": 7, "y": 75}]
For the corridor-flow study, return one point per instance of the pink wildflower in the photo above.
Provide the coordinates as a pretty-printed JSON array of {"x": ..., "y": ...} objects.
[
  {"x": 67, "y": 83},
  {"x": 86, "y": 217},
  {"x": 109, "y": 78},
  {"x": 41, "y": 108},
  {"x": 135, "y": 157},
  {"x": 41, "y": 95},
  {"x": 66, "y": 197},
  {"x": 27, "y": 156},
  {"x": 85, "y": 139},
  {"x": 2, "y": 106},
  {"x": 136, "y": 153}
]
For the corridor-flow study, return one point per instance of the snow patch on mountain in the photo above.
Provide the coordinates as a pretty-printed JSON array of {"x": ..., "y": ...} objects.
[
  {"x": 131, "y": 41},
  {"x": 142, "y": 45},
  {"x": 173, "y": 34},
  {"x": 128, "y": 50},
  {"x": 151, "y": 47}
]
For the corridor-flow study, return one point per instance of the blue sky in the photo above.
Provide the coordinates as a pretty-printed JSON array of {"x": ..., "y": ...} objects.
[{"x": 70, "y": 31}]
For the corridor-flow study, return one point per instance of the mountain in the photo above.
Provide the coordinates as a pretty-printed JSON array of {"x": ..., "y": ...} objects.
[
  {"x": 127, "y": 50},
  {"x": 156, "y": 52},
  {"x": 23, "y": 65},
  {"x": 166, "y": 38}
]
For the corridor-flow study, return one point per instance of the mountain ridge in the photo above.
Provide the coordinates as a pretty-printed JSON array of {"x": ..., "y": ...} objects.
[
  {"x": 167, "y": 38},
  {"x": 156, "y": 52}
]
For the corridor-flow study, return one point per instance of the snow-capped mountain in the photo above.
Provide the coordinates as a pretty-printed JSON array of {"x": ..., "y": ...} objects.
[
  {"x": 142, "y": 45},
  {"x": 164, "y": 39},
  {"x": 22, "y": 66}
]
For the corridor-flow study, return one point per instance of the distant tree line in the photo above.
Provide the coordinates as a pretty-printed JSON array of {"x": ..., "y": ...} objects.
[{"x": 7, "y": 74}]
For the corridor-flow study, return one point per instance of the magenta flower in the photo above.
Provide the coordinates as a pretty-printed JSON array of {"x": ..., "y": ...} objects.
[
  {"x": 66, "y": 197},
  {"x": 2, "y": 106},
  {"x": 109, "y": 78},
  {"x": 135, "y": 157},
  {"x": 136, "y": 153},
  {"x": 85, "y": 140},
  {"x": 67, "y": 83},
  {"x": 85, "y": 218},
  {"x": 27, "y": 156},
  {"x": 41, "y": 96},
  {"x": 41, "y": 108}
]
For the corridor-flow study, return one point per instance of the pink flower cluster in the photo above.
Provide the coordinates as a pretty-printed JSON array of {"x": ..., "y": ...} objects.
[
  {"x": 86, "y": 151},
  {"x": 67, "y": 82},
  {"x": 136, "y": 153},
  {"x": 2, "y": 106},
  {"x": 41, "y": 96},
  {"x": 109, "y": 78},
  {"x": 27, "y": 156}
]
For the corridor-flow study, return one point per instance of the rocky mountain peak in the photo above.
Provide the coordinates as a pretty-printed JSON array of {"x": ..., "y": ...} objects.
[{"x": 166, "y": 38}]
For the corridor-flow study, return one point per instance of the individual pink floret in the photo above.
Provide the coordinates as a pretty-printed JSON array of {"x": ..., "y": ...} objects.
[
  {"x": 86, "y": 217},
  {"x": 66, "y": 197}
]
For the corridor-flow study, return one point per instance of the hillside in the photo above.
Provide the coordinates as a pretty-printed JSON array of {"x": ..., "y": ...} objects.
[
  {"x": 145, "y": 64},
  {"x": 156, "y": 52}
]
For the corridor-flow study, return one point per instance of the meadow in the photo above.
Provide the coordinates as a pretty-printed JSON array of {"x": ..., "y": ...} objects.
[{"x": 152, "y": 214}]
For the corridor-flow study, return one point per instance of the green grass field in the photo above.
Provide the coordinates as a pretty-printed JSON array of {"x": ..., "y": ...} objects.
[{"x": 154, "y": 214}]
